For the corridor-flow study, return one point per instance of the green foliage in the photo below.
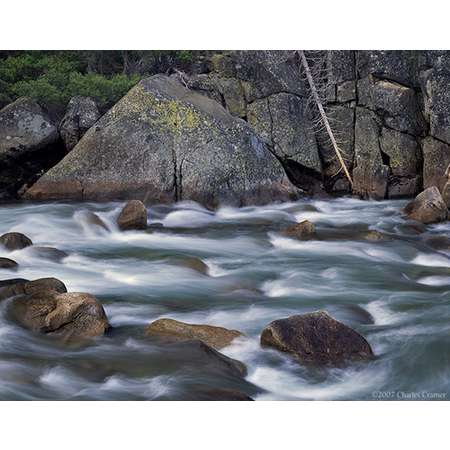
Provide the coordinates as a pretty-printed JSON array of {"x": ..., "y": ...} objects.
[{"x": 54, "y": 77}]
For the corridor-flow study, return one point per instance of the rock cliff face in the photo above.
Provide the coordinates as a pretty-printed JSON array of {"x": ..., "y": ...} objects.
[
  {"x": 390, "y": 111},
  {"x": 242, "y": 131}
]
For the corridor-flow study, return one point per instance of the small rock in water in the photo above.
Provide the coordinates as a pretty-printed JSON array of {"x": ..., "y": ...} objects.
[
  {"x": 133, "y": 216},
  {"x": 50, "y": 253},
  {"x": 316, "y": 338},
  {"x": 19, "y": 286},
  {"x": 303, "y": 231},
  {"x": 374, "y": 236},
  {"x": 15, "y": 241},
  {"x": 427, "y": 207},
  {"x": 216, "y": 337},
  {"x": 6, "y": 263},
  {"x": 70, "y": 316},
  {"x": 438, "y": 242}
]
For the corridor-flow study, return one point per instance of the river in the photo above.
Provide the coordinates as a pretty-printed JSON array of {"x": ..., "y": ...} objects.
[{"x": 395, "y": 292}]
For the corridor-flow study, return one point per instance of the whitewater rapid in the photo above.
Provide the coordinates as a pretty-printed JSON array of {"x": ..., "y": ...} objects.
[{"x": 395, "y": 292}]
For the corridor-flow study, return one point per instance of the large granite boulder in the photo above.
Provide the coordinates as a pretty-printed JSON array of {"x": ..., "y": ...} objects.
[
  {"x": 174, "y": 330},
  {"x": 26, "y": 138},
  {"x": 427, "y": 207},
  {"x": 71, "y": 317},
  {"x": 81, "y": 114},
  {"x": 316, "y": 338},
  {"x": 163, "y": 142}
]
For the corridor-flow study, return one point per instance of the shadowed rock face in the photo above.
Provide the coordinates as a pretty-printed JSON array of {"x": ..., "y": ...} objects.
[
  {"x": 216, "y": 337},
  {"x": 28, "y": 144},
  {"x": 316, "y": 338},
  {"x": 162, "y": 143},
  {"x": 427, "y": 207}
]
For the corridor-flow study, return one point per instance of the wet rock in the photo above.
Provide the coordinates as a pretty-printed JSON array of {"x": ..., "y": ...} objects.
[
  {"x": 201, "y": 355},
  {"x": 81, "y": 114},
  {"x": 51, "y": 253},
  {"x": 19, "y": 286},
  {"x": 15, "y": 241},
  {"x": 427, "y": 207},
  {"x": 71, "y": 317},
  {"x": 26, "y": 137},
  {"x": 216, "y": 337},
  {"x": 162, "y": 143},
  {"x": 439, "y": 242},
  {"x": 133, "y": 216},
  {"x": 216, "y": 394},
  {"x": 303, "y": 231},
  {"x": 6, "y": 263},
  {"x": 316, "y": 338},
  {"x": 193, "y": 263}
]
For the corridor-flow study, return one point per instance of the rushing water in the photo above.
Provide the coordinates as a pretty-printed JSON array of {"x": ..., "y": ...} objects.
[{"x": 255, "y": 276}]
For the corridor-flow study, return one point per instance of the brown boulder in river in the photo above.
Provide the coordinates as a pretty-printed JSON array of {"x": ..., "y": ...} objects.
[
  {"x": 133, "y": 216},
  {"x": 303, "y": 231},
  {"x": 12, "y": 288},
  {"x": 316, "y": 338},
  {"x": 71, "y": 316},
  {"x": 15, "y": 241},
  {"x": 6, "y": 263},
  {"x": 427, "y": 207},
  {"x": 216, "y": 337}
]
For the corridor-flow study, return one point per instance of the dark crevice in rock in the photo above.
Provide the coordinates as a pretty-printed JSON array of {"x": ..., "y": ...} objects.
[
  {"x": 18, "y": 172},
  {"x": 306, "y": 179},
  {"x": 385, "y": 158}
]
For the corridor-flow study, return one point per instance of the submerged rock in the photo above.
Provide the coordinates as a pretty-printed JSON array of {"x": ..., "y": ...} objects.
[
  {"x": 374, "y": 236},
  {"x": 69, "y": 316},
  {"x": 303, "y": 231},
  {"x": 427, "y": 207},
  {"x": 200, "y": 355},
  {"x": 439, "y": 242},
  {"x": 19, "y": 286},
  {"x": 50, "y": 253},
  {"x": 216, "y": 337},
  {"x": 316, "y": 338},
  {"x": 6, "y": 263},
  {"x": 162, "y": 143},
  {"x": 221, "y": 394},
  {"x": 133, "y": 216},
  {"x": 193, "y": 263},
  {"x": 15, "y": 241},
  {"x": 94, "y": 220}
]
